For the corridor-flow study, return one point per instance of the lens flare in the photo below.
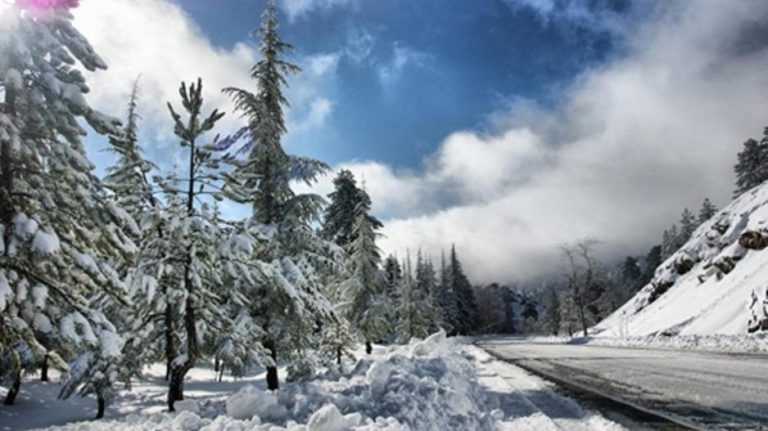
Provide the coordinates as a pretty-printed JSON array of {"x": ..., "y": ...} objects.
[{"x": 46, "y": 4}]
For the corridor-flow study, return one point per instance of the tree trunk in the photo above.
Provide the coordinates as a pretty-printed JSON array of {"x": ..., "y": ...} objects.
[
  {"x": 221, "y": 372},
  {"x": 44, "y": 369},
  {"x": 338, "y": 356},
  {"x": 170, "y": 344},
  {"x": 216, "y": 364},
  {"x": 368, "y": 347},
  {"x": 273, "y": 381},
  {"x": 10, "y": 397},
  {"x": 175, "y": 388},
  {"x": 102, "y": 406},
  {"x": 7, "y": 210}
]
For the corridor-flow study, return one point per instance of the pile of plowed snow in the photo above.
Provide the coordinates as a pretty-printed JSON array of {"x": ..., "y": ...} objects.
[
  {"x": 426, "y": 385},
  {"x": 715, "y": 284}
]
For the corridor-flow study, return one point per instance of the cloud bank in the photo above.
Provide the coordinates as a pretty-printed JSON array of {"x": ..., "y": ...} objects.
[{"x": 633, "y": 143}]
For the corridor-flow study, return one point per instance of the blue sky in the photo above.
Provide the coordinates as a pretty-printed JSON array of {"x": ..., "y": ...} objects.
[
  {"x": 507, "y": 127},
  {"x": 459, "y": 61}
]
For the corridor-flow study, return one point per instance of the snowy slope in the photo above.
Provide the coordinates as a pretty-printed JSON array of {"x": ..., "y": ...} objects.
[{"x": 713, "y": 285}]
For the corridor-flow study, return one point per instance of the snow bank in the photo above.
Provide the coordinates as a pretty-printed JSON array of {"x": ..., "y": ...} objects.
[
  {"x": 707, "y": 286},
  {"x": 426, "y": 385}
]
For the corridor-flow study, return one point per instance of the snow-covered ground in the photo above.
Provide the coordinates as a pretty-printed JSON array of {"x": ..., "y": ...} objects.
[
  {"x": 434, "y": 384},
  {"x": 712, "y": 285}
]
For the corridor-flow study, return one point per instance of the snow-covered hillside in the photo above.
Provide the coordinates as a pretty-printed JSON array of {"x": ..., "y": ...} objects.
[{"x": 715, "y": 284}]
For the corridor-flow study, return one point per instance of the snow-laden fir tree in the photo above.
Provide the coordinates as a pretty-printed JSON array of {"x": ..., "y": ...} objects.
[
  {"x": 707, "y": 211},
  {"x": 59, "y": 230},
  {"x": 339, "y": 218},
  {"x": 153, "y": 317},
  {"x": 553, "y": 316},
  {"x": 194, "y": 232},
  {"x": 688, "y": 225},
  {"x": 427, "y": 285},
  {"x": 446, "y": 299},
  {"x": 413, "y": 322},
  {"x": 289, "y": 304},
  {"x": 752, "y": 166},
  {"x": 365, "y": 290},
  {"x": 465, "y": 302}
]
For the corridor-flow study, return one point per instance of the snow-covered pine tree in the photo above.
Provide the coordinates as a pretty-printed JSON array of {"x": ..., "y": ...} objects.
[
  {"x": 153, "y": 317},
  {"x": 707, "y": 211},
  {"x": 60, "y": 232},
  {"x": 688, "y": 225},
  {"x": 446, "y": 299},
  {"x": 291, "y": 303},
  {"x": 368, "y": 303},
  {"x": 426, "y": 284},
  {"x": 553, "y": 317},
  {"x": 465, "y": 301},
  {"x": 752, "y": 166},
  {"x": 412, "y": 321},
  {"x": 339, "y": 218},
  {"x": 195, "y": 233}
]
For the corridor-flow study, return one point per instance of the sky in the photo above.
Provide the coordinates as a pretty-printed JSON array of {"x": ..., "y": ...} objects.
[{"x": 506, "y": 127}]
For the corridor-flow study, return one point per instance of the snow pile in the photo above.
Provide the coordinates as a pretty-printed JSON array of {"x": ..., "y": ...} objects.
[
  {"x": 427, "y": 385},
  {"x": 715, "y": 283}
]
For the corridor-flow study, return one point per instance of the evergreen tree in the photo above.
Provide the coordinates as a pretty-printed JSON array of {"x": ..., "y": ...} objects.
[
  {"x": 339, "y": 219},
  {"x": 465, "y": 302},
  {"x": 365, "y": 290},
  {"x": 651, "y": 261},
  {"x": 707, "y": 211},
  {"x": 630, "y": 271},
  {"x": 553, "y": 312},
  {"x": 446, "y": 299},
  {"x": 196, "y": 233},
  {"x": 426, "y": 285},
  {"x": 752, "y": 166},
  {"x": 291, "y": 302},
  {"x": 412, "y": 321},
  {"x": 688, "y": 225},
  {"x": 59, "y": 229}
]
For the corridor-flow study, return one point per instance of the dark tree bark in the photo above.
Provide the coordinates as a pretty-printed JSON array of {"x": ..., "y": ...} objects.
[
  {"x": 44, "y": 369},
  {"x": 221, "y": 372},
  {"x": 102, "y": 406},
  {"x": 368, "y": 347},
  {"x": 338, "y": 356},
  {"x": 216, "y": 364},
  {"x": 10, "y": 397}
]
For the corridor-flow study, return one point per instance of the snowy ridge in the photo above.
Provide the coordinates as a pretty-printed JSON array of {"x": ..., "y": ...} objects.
[{"x": 714, "y": 284}]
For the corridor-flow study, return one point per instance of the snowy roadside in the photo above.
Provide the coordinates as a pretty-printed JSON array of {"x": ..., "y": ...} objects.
[
  {"x": 434, "y": 384},
  {"x": 715, "y": 343}
]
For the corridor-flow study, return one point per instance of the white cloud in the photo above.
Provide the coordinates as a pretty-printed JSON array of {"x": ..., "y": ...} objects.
[
  {"x": 402, "y": 56},
  {"x": 299, "y": 8},
  {"x": 634, "y": 142}
]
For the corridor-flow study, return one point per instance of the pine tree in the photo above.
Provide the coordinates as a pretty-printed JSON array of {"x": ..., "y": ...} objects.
[
  {"x": 630, "y": 271},
  {"x": 707, "y": 211},
  {"x": 339, "y": 218},
  {"x": 446, "y": 299},
  {"x": 553, "y": 312},
  {"x": 59, "y": 229},
  {"x": 688, "y": 225},
  {"x": 426, "y": 285},
  {"x": 412, "y": 321},
  {"x": 465, "y": 302},
  {"x": 196, "y": 234},
  {"x": 291, "y": 302},
  {"x": 752, "y": 166},
  {"x": 365, "y": 290}
]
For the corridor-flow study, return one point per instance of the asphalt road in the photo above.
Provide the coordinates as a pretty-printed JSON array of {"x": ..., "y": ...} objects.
[{"x": 708, "y": 390}]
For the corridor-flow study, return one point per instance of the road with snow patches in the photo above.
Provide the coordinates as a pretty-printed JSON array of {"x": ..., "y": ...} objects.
[{"x": 698, "y": 389}]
